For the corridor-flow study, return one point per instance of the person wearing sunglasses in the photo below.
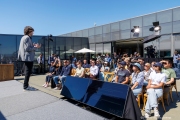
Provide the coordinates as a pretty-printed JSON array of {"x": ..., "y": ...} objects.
[
  {"x": 154, "y": 90},
  {"x": 147, "y": 72}
]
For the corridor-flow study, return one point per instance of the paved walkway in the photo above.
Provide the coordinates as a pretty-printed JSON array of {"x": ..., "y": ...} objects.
[{"x": 172, "y": 113}]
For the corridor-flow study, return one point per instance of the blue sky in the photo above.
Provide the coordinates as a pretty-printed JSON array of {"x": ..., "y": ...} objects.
[{"x": 62, "y": 16}]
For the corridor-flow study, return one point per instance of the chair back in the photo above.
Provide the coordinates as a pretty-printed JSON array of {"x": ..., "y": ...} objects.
[
  {"x": 73, "y": 71},
  {"x": 108, "y": 76}
]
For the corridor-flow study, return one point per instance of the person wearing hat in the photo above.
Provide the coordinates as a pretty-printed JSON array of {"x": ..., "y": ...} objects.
[
  {"x": 137, "y": 79},
  {"x": 154, "y": 90},
  {"x": 122, "y": 75}
]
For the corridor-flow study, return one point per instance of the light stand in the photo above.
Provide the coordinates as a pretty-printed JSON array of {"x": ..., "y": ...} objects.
[
  {"x": 135, "y": 32},
  {"x": 157, "y": 30}
]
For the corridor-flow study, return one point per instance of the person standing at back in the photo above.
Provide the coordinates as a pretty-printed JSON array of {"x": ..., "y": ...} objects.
[{"x": 26, "y": 53}]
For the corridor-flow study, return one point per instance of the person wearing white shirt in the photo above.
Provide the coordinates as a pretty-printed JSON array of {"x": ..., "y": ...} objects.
[
  {"x": 40, "y": 61},
  {"x": 156, "y": 82},
  {"x": 93, "y": 70}
]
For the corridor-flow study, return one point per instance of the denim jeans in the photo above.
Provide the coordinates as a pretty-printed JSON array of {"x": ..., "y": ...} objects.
[
  {"x": 153, "y": 95},
  {"x": 145, "y": 83},
  {"x": 175, "y": 65},
  {"x": 48, "y": 77},
  {"x": 137, "y": 90},
  {"x": 178, "y": 66},
  {"x": 56, "y": 79},
  {"x": 101, "y": 76},
  {"x": 62, "y": 79}
]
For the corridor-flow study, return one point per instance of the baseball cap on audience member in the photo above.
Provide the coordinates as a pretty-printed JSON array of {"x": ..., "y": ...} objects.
[
  {"x": 123, "y": 63},
  {"x": 158, "y": 64},
  {"x": 138, "y": 65}
]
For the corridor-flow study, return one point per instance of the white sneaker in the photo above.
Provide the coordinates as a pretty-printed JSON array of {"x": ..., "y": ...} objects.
[
  {"x": 147, "y": 115},
  {"x": 56, "y": 88},
  {"x": 156, "y": 112},
  {"x": 44, "y": 85}
]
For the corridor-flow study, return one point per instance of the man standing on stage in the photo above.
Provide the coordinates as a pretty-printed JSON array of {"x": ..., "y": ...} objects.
[{"x": 26, "y": 53}]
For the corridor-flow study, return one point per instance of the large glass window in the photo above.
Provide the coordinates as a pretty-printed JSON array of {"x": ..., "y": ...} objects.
[
  {"x": 85, "y": 33},
  {"x": 98, "y": 30},
  {"x": 165, "y": 16},
  {"x": 92, "y": 47},
  {"x": 69, "y": 43},
  {"x": 125, "y": 34},
  {"x": 98, "y": 38},
  {"x": 165, "y": 42},
  {"x": 115, "y": 36},
  {"x": 176, "y": 26},
  {"x": 146, "y": 31},
  {"x": 79, "y": 33},
  {"x": 149, "y": 19},
  {"x": 8, "y": 51},
  {"x": 125, "y": 25},
  {"x": 91, "y": 31},
  {"x": 177, "y": 42},
  {"x": 107, "y": 37},
  {"x": 115, "y": 27},
  {"x": 166, "y": 28},
  {"x": 136, "y": 22},
  {"x": 99, "y": 48},
  {"x": 106, "y": 28},
  {"x": 60, "y": 47},
  {"x": 77, "y": 41},
  {"x": 176, "y": 14},
  {"x": 91, "y": 39},
  {"x": 107, "y": 48}
]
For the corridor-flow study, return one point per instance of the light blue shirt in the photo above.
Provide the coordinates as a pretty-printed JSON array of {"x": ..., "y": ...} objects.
[{"x": 138, "y": 78}]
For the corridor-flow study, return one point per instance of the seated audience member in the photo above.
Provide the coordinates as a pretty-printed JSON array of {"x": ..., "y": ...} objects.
[
  {"x": 66, "y": 70},
  {"x": 147, "y": 72},
  {"x": 104, "y": 68},
  {"x": 107, "y": 58},
  {"x": 137, "y": 79},
  {"x": 85, "y": 64},
  {"x": 154, "y": 90},
  {"x": 79, "y": 70},
  {"x": 128, "y": 65},
  {"x": 170, "y": 74},
  {"x": 122, "y": 75},
  {"x": 152, "y": 65},
  {"x": 141, "y": 62},
  {"x": 74, "y": 65},
  {"x": 93, "y": 70},
  {"x": 115, "y": 71},
  {"x": 98, "y": 64},
  {"x": 50, "y": 75}
]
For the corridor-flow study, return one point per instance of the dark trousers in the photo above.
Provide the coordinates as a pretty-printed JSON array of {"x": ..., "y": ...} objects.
[{"x": 28, "y": 71}]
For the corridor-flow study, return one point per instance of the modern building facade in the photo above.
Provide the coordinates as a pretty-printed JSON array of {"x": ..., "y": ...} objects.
[
  {"x": 62, "y": 46},
  {"x": 117, "y": 36}
]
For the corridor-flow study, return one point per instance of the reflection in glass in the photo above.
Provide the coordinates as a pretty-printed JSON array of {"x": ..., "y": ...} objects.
[
  {"x": 136, "y": 22},
  {"x": 115, "y": 27},
  {"x": 115, "y": 36},
  {"x": 125, "y": 34},
  {"x": 176, "y": 26},
  {"x": 99, "y": 48},
  {"x": 91, "y": 31},
  {"x": 149, "y": 19},
  {"x": 106, "y": 37},
  {"x": 125, "y": 25},
  {"x": 98, "y": 38},
  {"x": 165, "y": 16},
  {"x": 98, "y": 30},
  {"x": 166, "y": 28},
  {"x": 85, "y": 33},
  {"x": 107, "y": 48},
  {"x": 176, "y": 13},
  {"x": 92, "y": 47},
  {"x": 106, "y": 28}
]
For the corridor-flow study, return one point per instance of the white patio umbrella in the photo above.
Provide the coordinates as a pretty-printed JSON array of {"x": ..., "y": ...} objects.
[{"x": 85, "y": 50}]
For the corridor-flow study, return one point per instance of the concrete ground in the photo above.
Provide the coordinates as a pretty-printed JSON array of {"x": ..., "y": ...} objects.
[{"x": 172, "y": 111}]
